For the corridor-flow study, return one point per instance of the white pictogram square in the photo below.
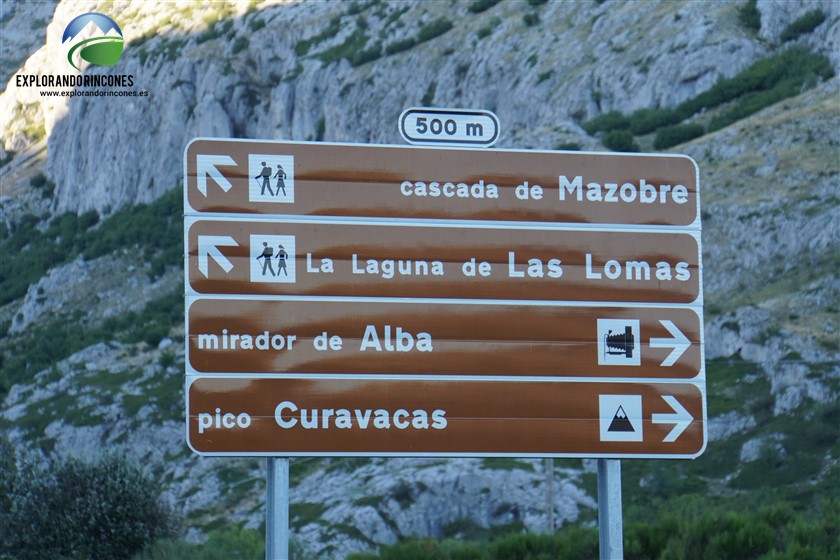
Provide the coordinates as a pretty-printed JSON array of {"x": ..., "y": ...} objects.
[
  {"x": 620, "y": 417},
  {"x": 273, "y": 258},
  {"x": 271, "y": 178},
  {"x": 619, "y": 343}
]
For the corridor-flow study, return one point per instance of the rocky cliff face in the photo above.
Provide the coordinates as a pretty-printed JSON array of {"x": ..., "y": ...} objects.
[
  {"x": 313, "y": 71},
  {"x": 281, "y": 70}
]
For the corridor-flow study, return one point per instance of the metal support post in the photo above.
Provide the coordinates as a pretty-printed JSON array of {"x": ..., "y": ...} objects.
[
  {"x": 549, "y": 480},
  {"x": 610, "y": 532},
  {"x": 277, "y": 508}
]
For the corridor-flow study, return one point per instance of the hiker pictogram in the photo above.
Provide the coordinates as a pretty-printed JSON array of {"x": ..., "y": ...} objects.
[
  {"x": 280, "y": 176},
  {"x": 264, "y": 179},
  {"x": 266, "y": 257},
  {"x": 282, "y": 257},
  {"x": 273, "y": 258},
  {"x": 271, "y": 178}
]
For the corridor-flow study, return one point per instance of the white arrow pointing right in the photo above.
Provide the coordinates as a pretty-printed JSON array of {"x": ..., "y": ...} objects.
[
  {"x": 208, "y": 246},
  {"x": 206, "y": 167},
  {"x": 679, "y": 343},
  {"x": 681, "y": 418}
]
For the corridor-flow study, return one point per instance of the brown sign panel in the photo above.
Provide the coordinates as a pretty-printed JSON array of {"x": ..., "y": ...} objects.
[
  {"x": 262, "y": 257},
  {"x": 396, "y": 338},
  {"x": 290, "y": 416},
  {"x": 320, "y": 179}
]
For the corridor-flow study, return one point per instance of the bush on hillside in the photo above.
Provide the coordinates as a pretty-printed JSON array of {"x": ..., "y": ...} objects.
[
  {"x": 613, "y": 120},
  {"x": 749, "y": 16},
  {"x": 620, "y": 141},
  {"x": 71, "y": 509},
  {"x": 644, "y": 121},
  {"x": 433, "y": 29},
  {"x": 794, "y": 67},
  {"x": 478, "y": 6},
  {"x": 677, "y": 134},
  {"x": 803, "y": 25}
]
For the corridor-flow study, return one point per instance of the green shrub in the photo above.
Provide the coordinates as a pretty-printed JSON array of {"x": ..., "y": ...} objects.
[
  {"x": 348, "y": 49},
  {"x": 239, "y": 45},
  {"x": 677, "y": 134},
  {"x": 10, "y": 155},
  {"x": 728, "y": 531},
  {"x": 256, "y": 24},
  {"x": 302, "y": 47},
  {"x": 644, "y": 121},
  {"x": 803, "y": 25},
  {"x": 320, "y": 129},
  {"x": 478, "y": 6},
  {"x": 766, "y": 82},
  {"x": 536, "y": 2},
  {"x": 429, "y": 96},
  {"x": 40, "y": 182},
  {"x": 219, "y": 29},
  {"x": 433, "y": 29},
  {"x": 530, "y": 20},
  {"x": 107, "y": 509},
  {"x": 400, "y": 46},
  {"x": 613, "y": 120},
  {"x": 366, "y": 55},
  {"x": 801, "y": 71},
  {"x": 749, "y": 16},
  {"x": 788, "y": 71},
  {"x": 620, "y": 141}
]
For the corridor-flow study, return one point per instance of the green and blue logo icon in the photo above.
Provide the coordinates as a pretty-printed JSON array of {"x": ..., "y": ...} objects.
[{"x": 102, "y": 50}]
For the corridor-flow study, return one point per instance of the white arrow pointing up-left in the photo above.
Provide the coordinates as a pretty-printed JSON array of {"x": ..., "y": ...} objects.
[
  {"x": 208, "y": 246},
  {"x": 679, "y": 343},
  {"x": 206, "y": 167},
  {"x": 681, "y": 418}
]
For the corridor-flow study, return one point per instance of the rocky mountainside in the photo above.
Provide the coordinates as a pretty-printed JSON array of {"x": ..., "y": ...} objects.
[{"x": 92, "y": 352}]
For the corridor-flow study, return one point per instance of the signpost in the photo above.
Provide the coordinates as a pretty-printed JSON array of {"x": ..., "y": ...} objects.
[
  {"x": 398, "y": 338},
  {"x": 401, "y": 301},
  {"x": 335, "y": 258},
  {"x": 398, "y": 183},
  {"x": 364, "y": 416}
]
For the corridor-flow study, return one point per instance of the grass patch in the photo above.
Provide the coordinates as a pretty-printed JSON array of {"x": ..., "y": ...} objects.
[
  {"x": 304, "y": 513},
  {"x": 155, "y": 230},
  {"x": 54, "y": 340},
  {"x": 733, "y": 383},
  {"x": 792, "y": 280},
  {"x": 804, "y": 447}
]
